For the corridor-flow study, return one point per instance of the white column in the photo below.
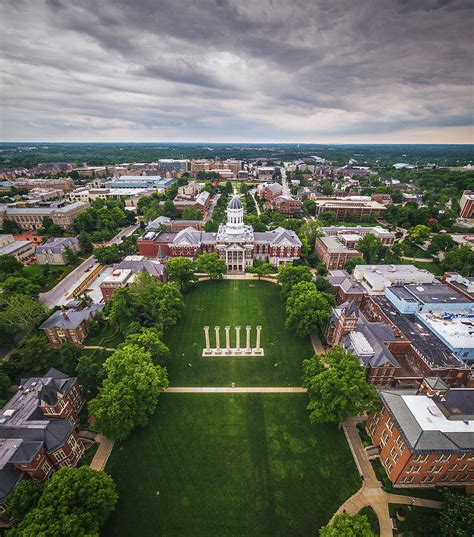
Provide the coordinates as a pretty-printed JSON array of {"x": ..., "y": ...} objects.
[
  {"x": 227, "y": 339},
  {"x": 248, "y": 348},
  {"x": 218, "y": 341},
  {"x": 207, "y": 350},
  {"x": 257, "y": 344},
  {"x": 237, "y": 339}
]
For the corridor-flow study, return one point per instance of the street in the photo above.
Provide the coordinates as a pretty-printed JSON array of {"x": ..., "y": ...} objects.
[
  {"x": 58, "y": 295},
  {"x": 284, "y": 181}
]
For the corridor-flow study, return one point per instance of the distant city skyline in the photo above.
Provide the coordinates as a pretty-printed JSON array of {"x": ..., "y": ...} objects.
[{"x": 229, "y": 71}]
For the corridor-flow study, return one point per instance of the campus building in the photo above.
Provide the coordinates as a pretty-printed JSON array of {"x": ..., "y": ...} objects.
[
  {"x": 375, "y": 278},
  {"x": 39, "y": 430},
  {"x": 52, "y": 252},
  {"x": 235, "y": 242},
  {"x": 31, "y": 217},
  {"x": 426, "y": 435},
  {"x": 357, "y": 208},
  {"x": 169, "y": 224},
  {"x": 466, "y": 205},
  {"x": 19, "y": 249},
  {"x": 70, "y": 325}
]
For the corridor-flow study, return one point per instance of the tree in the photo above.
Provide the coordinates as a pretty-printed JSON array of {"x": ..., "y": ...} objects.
[
  {"x": 21, "y": 286},
  {"x": 5, "y": 384},
  {"x": 69, "y": 355},
  {"x": 21, "y": 315},
  {"x": 149, "y": 340},
  {"x": 328, "y": 217},
  {"x": 457, "y": 516},
  {"x": 263, "y": 269},
  {"x": 307, "y": 309},
  {"x": 181, "y": 271},
  {"x": 440, "y": 243},
  {"x": 75, "y": 501},
  {"x": 70, "y": 256},
  {"x": 338, "y": 391},
  {"x": 190, "y": 213},
  {"x": 311, "y": 230},
  {"x": 169, "y": 209},
  {"x": 323, "y": 285},
  {"x": 9, "y": 265},
  {"x": 289, "y": 275},
  {"x": 460, "y": 259},
  {"x": 121, "y": 309},
  {"x": 106, "y": 255},
  {"x": 36, "y": 354},
  {"x": 370, "y": 247},
  {"x": 212, "y": 265},
  {"x": 346, "y": 525},
  {"x": 129, "y": 393},
  {"x": 91, "y": 373},
  {"x": 24, "y": 498},
  {"x": 419, "y": 234},
  {"x": 351, "y": 264},
  {"x": 85, "y": 242}
]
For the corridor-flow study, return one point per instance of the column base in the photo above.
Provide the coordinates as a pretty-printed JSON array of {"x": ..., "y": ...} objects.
[{"x": 233, "y": 352}]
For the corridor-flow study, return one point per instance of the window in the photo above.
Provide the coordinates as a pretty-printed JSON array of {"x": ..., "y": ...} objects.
[
  {"x": 428, "y": 479},
  {"x": 462, "y": 468},
  {"x": 452, "y": 468},
  {"x": 396, "y": 457},
  {"x": 407, "y": 479},
  {"x": 46, "y": 467},
  {"x": 461, "y": 457},
  {"x": 59, "y": 455},
  {"x": 388, "y": 465},
  {"x": 401, "y": 444},
  {"x": 465, "y": 477},
  {"x": 443, "y": 458},
  {"x": 392, "y": 452},
  {"x": 455, "y": 477},
  {"x": 390, "y": 424},
  {"x": 421, "y": 458},
  {"x": 384, "y": 438},
  {"x": 444, "y": 478}
]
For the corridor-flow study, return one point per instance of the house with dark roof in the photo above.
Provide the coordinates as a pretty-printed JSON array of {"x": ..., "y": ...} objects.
[
  {"x": 70, "y": 325},
  {"x": 426, "y": 435},
  {"x": 39, "y": 429},
  {"x": 52, "y": 251}
]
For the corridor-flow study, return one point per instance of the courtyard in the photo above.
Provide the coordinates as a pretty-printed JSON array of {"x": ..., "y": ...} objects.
[
  {"x": 231, "y": 464},
  {"x": 225, "y": 465},
  {"x": 235, "y": 302}
]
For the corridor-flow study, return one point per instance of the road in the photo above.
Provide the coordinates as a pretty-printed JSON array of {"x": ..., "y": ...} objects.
[
  {"x": 57, "y": 295},
  {"x": 212, "y": 206}
]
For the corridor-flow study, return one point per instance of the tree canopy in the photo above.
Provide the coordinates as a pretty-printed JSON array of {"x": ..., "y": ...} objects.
[
  {"x": 337, "y": 387},
  {"x": 289, "y": 275},
  {"x": 212, "y": 265},
  {"x": 129, "y": 393},
  {"x": 75, "y": 502},
  {"x": 457, "y": 516},
  {"x": 460, "y": 259},
  {"x": 346, "y": 525},
  {"x": 307, "y": 309},
  {"x": 180, "y": 270}
]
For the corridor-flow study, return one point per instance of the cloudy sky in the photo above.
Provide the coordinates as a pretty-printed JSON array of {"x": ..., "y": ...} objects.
[{"x": 369, "y": 71}]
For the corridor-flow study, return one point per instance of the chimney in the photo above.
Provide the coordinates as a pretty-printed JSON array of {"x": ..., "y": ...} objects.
[{"x": 63, "y": 313}]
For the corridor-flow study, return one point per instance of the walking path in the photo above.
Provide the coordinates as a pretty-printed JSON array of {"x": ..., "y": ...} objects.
[
  {"x": 257, "y": 207},
  {"x": 317, "y": 345},
  {"x": 371, "y": 493},
  {"x": 251, "y": 389},
  {"x": 419, "y": 259},
  {"x": 103, "y": 453}
]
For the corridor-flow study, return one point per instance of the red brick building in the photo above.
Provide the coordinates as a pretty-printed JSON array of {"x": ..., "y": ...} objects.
[
  {"x": 271, "y": 191},
  {"x": 357, "y": 210},
  {"x": 69, "y": 325},
  {"x": 426, "y": 436},
  {"x": 287, "y": 205},
  {"x": 466, "y": 205},
  {"x": 39, "y": 429},
  {"x": 235, "y": 242}
]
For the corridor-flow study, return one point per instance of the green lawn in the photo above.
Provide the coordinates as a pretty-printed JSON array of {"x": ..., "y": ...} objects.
[
  {"x": 419, "y": 521},
  {"x": 235, "y": 302},
  {"x": 230, "y": 465},
  {"x": 110, "y": 337},
  {"x": 55, "y": 275}
]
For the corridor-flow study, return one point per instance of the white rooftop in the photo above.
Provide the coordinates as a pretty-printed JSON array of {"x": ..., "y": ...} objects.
[
  {"x": 118, "y": 276},
  {"x": 430, "y": 418},
  {"x": 456, "y": 329}
]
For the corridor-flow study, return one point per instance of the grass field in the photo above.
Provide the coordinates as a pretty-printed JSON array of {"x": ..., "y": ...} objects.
[
  {"x": 419, "y": 521},
  {"x": 235, "y": 302},
  {"x": 230, "y": 465}
]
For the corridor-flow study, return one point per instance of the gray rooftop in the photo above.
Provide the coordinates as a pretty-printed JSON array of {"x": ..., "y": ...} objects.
[
  {"x": 72, "y": 318},
  {"x": 57, "y": 245},
  {"x": 428, "y": 293}
]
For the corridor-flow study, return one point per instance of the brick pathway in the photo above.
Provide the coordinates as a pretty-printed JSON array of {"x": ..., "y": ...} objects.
[
  {"x": 103, "y": 453},
  {"x": 252, "y": 389},
  {"x": 371, "y": 493}
]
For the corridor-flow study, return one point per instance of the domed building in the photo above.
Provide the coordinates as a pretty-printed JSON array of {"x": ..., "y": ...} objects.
[{"x": 235, "y": 241}]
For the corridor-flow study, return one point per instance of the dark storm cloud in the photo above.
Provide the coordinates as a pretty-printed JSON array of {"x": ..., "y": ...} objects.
[{"x": 306, "y": 70}]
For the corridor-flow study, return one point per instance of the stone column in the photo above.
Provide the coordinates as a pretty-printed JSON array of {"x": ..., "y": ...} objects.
[
  {"x": 257, "y": 344},
  {"x": 207, "y": 350},
  {"x": 218, "y": 340},
  {"x": 237, "y": 340},
  {"x": 248, "y": 349},
  {"x": 227, "y": 340}
]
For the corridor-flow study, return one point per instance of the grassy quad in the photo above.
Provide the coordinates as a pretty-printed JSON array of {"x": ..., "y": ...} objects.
[
  {"x": 235, "y": 302},
  {"x": 229, "y": 465}
]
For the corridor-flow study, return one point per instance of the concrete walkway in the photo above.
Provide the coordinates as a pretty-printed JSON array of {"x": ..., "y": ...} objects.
[
  {"x": 103, "y": 453},
  {"x": 317, "y": 345},
  {"x": 371, "y": 493},
  {"x": 251, "y": 389},
  {"x": 419, "y": 259},
  {"x": 257, "y": 207}
]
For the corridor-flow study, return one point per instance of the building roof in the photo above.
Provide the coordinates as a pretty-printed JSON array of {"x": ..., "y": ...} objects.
[
  {"x": 334, "y": 246},
  {"x": 457, "y": 330},
  {"x": 10, "y": 249},
  {"x": 429, "y": 293},
  {"x": 57, "y": 245},
  {"x": 429, "y": 425},
  {"x": 139, "y": 263},
  {"x": 71, "y": 318},
  {"x": 235, "y": 203},
  {"x": 434, "y": 351}
]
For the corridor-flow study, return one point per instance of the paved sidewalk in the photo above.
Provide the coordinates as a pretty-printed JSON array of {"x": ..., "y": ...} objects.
[
  {"x": 210, "y": 389},
  {"x": 103, "y": 453},
  {"x": 317, "y": 345},
  {"x": 371, "y": 493}
]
